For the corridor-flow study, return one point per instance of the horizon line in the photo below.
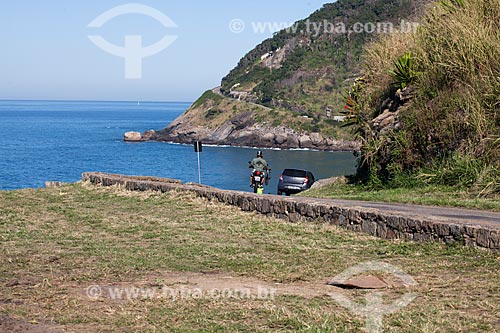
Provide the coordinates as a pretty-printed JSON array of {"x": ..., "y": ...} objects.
[{"x": 91, "y": 100}]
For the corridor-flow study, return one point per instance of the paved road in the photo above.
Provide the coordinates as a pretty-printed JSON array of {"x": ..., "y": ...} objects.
[
  {"x": 443, "y": 214},
  {"x": 217, "y": 91},
  {"x": 426, "y": 222}
]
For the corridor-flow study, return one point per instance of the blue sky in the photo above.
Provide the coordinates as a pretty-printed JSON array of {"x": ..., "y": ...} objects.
[{"x": 46, "y": 52}]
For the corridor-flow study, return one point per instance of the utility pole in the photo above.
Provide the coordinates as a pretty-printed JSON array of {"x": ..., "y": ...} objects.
[{"x": 198, "y": 148}]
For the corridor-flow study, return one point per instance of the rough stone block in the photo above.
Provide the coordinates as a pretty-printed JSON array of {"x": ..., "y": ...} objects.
[
  {"x": 393, "y": 222},
  {"x": 294, "y": 217},
  {"x": 495, "y": 240},
  {"x": 353, "y": 216},
  {"x": 469, "y": 231},
  {"x": 442, "y": 229},
  {"x": 323, "y": 210},
  {"x": 279, "y": 207},
  {"x": 483, "y": 238},
  {"x": 381, "y": 230},
  {"x": 245, "y": 205},
  {"x": 311, "y": 212},
  {"x": 411, "y": 224},
  {"x": 369, "y": 227},
  {"x": 265, "y": 206},
  {"x": 302, "y": 208},
  {"x": 342, "y": 220},
  {"x": 391, "y": 234}
]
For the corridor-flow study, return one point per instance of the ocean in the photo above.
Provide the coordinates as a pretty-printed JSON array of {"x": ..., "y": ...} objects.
[{"x": 58, "y": 140}]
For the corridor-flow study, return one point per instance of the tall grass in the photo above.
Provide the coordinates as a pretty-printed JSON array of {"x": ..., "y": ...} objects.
[
  {"x": 380, "y": 57},
  {"x": 456, "y": 114}
]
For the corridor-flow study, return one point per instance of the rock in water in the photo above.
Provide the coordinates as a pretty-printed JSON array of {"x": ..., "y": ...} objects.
[
  {"x": 148, "y": 135},
  {"x": 132, "y": 136}
]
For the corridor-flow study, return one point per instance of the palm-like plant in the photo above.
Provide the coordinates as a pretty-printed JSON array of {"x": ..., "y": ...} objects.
[{"x": 404, "y": 74}]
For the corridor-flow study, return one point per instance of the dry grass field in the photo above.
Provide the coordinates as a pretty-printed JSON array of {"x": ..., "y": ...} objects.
[{"x": 88, "y": 259}]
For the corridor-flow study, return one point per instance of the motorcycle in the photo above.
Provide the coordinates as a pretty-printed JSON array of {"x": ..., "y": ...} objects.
[{"x": 258, "y": 179}]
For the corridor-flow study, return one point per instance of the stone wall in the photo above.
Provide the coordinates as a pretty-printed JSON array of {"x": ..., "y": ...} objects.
[{"x": 294, "y": 209}]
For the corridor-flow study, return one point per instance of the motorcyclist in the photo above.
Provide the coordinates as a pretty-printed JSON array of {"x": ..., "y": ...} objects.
[{"x": 258, "y": 164}]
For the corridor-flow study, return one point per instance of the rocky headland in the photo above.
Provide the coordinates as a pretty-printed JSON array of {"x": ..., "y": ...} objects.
[
  {"x": 236, "y": 124},
  {"x": 289, "y": 92}
]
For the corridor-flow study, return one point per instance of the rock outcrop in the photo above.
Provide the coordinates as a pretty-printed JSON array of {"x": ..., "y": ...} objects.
[
  {"x": 289, "y": 87},
  {"x": 255, "y": 135},
  {"x": 132, "y": 137},
  {"x": 138, "y": 137},
  {"x": 238, "y": 123},
  {"x": 389, "y": 120}
]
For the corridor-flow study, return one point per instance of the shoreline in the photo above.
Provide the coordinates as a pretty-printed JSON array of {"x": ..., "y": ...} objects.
[
  {"x": 252, "y": 147},
  {"x": 329, "y": 145}
]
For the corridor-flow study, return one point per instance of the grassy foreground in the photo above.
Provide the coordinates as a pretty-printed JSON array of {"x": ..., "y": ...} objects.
[{"x": 55, "y": 243}]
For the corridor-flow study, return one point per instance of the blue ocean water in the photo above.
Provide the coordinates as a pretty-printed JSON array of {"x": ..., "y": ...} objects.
[{"x": 58, "y": 140}]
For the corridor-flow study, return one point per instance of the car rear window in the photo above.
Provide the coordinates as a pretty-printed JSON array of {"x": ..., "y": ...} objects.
[{"x": 294, "y": 173}]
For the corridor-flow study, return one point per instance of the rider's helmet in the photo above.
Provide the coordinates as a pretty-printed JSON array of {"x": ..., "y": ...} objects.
[{"x": 259, "y": 153}]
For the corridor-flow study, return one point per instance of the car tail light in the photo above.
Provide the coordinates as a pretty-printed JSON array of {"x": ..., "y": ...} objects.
[
  {"x": 281, "y": 177},
  {"x": 306, "y": 180}
]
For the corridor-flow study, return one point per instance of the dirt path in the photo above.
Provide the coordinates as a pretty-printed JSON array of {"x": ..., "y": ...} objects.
[{"x": 176, "y": 286}]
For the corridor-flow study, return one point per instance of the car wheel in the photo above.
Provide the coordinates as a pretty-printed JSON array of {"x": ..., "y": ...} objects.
[{"x": 287, "y": 194}]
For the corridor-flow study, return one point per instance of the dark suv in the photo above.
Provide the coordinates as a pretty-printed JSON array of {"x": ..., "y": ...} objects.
[{"x": 294, "y": 181}]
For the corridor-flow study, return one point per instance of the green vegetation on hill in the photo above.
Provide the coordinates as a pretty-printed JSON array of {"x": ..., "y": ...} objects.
[
  {"x": 207, "y": 95},
  {"x": 308, "y": 71},
  {"x": 330, "y": 56},
  {"x": 448, "y": 130}
]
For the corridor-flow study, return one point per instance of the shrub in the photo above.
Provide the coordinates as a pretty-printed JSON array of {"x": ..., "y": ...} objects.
[
  {"x": 207, "y": 95},
  {"x": 451, "y": 129},
  {"x": 212, "y": 113},
  {"x": 404, "y": 74}
]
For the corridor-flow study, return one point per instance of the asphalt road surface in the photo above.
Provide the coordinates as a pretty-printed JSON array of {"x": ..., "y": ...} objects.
[{"x": 442, "y": 214}]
